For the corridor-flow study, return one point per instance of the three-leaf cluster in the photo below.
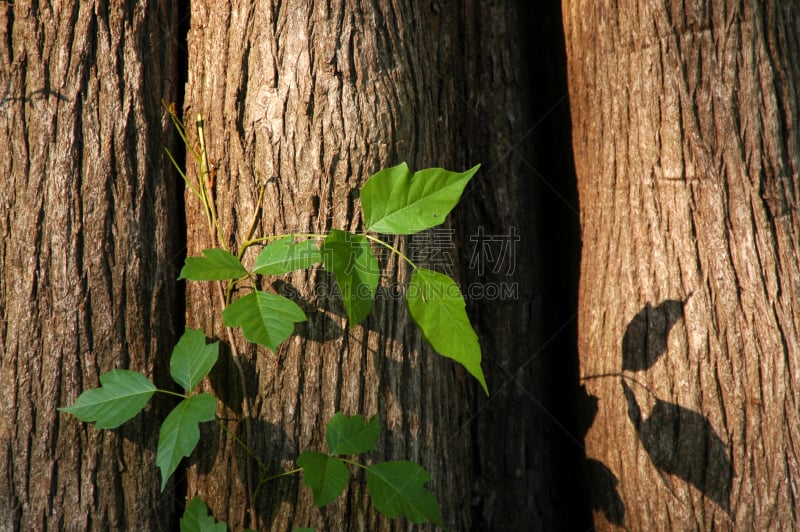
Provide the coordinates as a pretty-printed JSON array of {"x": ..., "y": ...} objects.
[
  {"x": 123, "y": 394},
  {"x": 394, "y": 487}
]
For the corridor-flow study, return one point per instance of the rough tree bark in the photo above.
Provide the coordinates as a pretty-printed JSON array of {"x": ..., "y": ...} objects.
[
  {"x": 685, "y": 121},
  {"x": 311, "y": 98},
  {"x": 87, "y": 256}
]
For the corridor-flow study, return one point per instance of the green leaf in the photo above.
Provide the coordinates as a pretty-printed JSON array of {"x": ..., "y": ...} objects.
[
  {"x": 438, "y": 308},
  {"x": 192, "y": 359},
  {"x": 266, "y": 319},
  {"x": 350, "y": 258},
  {"x": 349, "y": 435},
  {"x": 180, "y": 432},
  {"x": 215, "y": 265},
  {"x": 398, "y": 488},
  {"x": 121, "y": 395},
  {"x": 326, "y": 475},
  {"x": 196, "y": 518},
  {"x": 397, "y": 203},
  {"x": 286, "y": 255}
]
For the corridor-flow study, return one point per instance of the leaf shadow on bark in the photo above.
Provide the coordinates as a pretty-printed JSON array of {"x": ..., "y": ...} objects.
[
  {"x": 225, "y": 379},
  {"x": 205, "y": 453},
  {"x": 225, "y": 376},
  {"x": 603, "y": 494},
  {"x": 31, "y": 97},
  {"x": 272, "y": 446},
  {"x": 682, "y": 442},
  {"x": 319, "y": 327},
  {"x": 645, "y": 338},
  {"x": 388, "y": 318},
  {"x": 326, "y": 309},
  {"x": 276, "y": 450}
]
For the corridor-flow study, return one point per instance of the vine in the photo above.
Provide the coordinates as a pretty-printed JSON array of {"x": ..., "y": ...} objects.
[{"x": 394, "y": 202}]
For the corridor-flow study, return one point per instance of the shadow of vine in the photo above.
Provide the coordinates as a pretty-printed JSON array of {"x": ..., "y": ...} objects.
[{"x": 679, "y": 441}]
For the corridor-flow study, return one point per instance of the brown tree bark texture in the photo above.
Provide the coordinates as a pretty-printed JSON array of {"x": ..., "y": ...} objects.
[
  {"x": 86, "y": 258},
  {"x": 312, "y": 98},
  {"x": 685, "y": 122}
]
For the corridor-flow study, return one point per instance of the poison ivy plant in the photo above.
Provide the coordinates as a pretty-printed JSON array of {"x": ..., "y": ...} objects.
[
  {"x": 349, "y": 435},
  {"x": 325, "y": 475},
  {"x": 438, "y": 308},
  {"x": 266, "y": 319},
  {"x": 356, "y": 269},
  {"x": 398, "y": 488},
  {"x": 180, "y": 432},
  {"x": 192, "y": 359},
  {"x": 394, "y": 202},
  {"x": 124, "y": 393},
  {"x": 395, "y": 487},
  {"x": 214, "y": 265},
  {"x": 121, "y": 395},
  {"x": 286, "y": 256},
  {"x": 398, "y": 203}
]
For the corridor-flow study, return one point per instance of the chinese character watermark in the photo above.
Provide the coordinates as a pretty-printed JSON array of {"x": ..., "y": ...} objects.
[
  {"x": 497, "y": 251},
  {"x": 435, "y": 248}
]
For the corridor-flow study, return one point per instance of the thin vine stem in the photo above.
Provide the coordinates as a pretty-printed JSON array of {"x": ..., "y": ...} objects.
[
  {"x": 250, "y": 241},
  {"x": 252, "y": 229},
  {"x": 207, "y": 185},
  {"x": 354, "y": 463},
  {"x": 242, "y": 444},
  {"x": 174, "y": 394},
  {"x": 282, "y": 474},
  {"x": 245, "y": 245},
  {"x": 208, "y": 201},
  {"x": 391, "y": 248},
  {"x": 263, "y": 481},
  {"x": 262, "y": 239},
  {"x": 181, "y": 128}
]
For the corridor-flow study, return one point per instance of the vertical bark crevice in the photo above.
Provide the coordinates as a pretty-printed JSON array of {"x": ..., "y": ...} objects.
[
  {"x": 178, "y": 232},
  {"x": 528, "y": 452}
]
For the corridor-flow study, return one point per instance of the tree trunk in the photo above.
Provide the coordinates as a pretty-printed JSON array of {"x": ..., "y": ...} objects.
[
  {"x": 311, "y": 100},
  {"x": 87, "y": 257},
  {"x": 684, "y": 130}
]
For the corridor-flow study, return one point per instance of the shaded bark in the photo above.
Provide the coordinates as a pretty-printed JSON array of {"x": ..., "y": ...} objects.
[
  {"x": 88, "y": 257},
  {"x": 684, "y": 131},
  {"x": 516, "y": 115}
]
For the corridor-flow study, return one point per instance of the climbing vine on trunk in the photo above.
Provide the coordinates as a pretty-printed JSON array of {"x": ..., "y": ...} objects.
[{"x": 395, "y": 201}]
